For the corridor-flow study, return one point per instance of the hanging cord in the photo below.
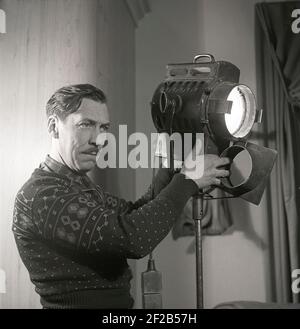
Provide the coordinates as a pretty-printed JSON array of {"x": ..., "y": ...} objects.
[
  {"x": 151, "y": 279},
  {"x": 152, "y": 197}
]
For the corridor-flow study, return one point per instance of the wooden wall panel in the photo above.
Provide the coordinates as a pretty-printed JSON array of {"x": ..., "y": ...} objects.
[{"x": 50, "y": 43}]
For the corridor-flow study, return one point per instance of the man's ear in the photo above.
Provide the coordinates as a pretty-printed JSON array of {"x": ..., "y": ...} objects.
[{"x": 53, "y": 126}]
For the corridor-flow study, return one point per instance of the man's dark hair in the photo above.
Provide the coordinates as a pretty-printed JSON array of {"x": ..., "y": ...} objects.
[{"x": 67, "y": 100}]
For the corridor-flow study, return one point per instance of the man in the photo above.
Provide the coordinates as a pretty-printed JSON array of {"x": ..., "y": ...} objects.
[{"x": 73, "y": 237}]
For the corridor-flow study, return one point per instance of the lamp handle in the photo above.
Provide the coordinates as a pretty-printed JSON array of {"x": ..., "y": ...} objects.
[{"x": 209, "y": 56}]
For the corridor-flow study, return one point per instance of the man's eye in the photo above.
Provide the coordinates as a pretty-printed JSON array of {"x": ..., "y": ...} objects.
[{"x": 84, "y": 125}]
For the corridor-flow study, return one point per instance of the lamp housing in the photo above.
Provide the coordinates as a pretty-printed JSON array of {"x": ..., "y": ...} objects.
[{"x": 205, "y": 96}]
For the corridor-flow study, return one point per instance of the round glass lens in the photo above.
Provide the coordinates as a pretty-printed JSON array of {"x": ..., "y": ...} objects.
[{"x": 241, "y": 118}]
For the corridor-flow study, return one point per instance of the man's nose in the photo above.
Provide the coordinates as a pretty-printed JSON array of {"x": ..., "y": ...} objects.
[
  {"x": 93, "y": 136},
  {"x": 95, "y": 133}
]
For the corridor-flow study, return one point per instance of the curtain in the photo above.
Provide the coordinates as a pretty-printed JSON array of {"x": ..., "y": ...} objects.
[
  {"x": 216, "y": 217},
  {"x": 278, "y": 91}
]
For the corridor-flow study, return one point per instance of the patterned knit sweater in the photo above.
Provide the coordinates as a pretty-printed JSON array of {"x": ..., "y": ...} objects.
[{"x": 75, "y": 239}]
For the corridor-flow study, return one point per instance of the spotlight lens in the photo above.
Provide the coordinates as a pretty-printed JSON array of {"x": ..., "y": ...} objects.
[{"x": 241, "y": 118}]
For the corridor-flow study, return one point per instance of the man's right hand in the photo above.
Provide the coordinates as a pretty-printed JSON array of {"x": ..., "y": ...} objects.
[{"x": 207, "y": 172}]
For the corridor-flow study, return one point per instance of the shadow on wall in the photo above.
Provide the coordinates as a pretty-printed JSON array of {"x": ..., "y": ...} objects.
[
  {"x": 222, "y": 217},
  {"x": 242, "y": 221}
]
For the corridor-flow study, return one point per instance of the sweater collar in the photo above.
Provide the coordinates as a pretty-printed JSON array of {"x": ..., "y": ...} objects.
[{"x": 54, "y": 166}]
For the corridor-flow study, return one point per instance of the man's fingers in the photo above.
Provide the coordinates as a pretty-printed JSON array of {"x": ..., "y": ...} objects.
[
  {"x": 216, "y": 181},
  {"x": 223, "y": 162},
  {"x": 222, "y": 173}
]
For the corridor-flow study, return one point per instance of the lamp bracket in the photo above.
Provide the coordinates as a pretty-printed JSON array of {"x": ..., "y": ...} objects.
[
  {"x": 209, "y": 56},
  {"x": 258, "y": 116}
]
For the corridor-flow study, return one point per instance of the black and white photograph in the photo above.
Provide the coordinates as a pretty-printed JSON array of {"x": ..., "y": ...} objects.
[{"x": 150, "y": 155}]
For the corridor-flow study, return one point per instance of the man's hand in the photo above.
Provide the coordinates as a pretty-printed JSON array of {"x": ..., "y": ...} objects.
[{"x": 204, "y": 170}]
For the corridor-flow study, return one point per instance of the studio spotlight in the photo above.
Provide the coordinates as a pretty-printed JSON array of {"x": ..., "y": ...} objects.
[{"x": 205, "y": 97}]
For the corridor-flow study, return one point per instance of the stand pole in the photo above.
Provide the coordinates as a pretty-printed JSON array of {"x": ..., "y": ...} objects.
[{"x": 198, "y": 215}]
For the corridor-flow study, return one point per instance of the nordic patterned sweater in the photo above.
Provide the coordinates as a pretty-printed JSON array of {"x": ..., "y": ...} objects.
[{"x": 75, "y": 239}]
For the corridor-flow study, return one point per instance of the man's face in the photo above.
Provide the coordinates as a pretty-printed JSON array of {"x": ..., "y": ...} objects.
[{"x": 78, "y": 132}]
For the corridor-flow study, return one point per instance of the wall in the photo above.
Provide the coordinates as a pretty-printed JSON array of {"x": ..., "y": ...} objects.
[
  {"x": 235, "y": 264},
  {"x": 50, "y": 43}
]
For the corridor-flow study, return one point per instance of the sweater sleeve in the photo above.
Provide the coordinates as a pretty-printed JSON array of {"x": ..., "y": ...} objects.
[
  {"x": 161, "y": 180},
  {"x": 99, "y": 223}
]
